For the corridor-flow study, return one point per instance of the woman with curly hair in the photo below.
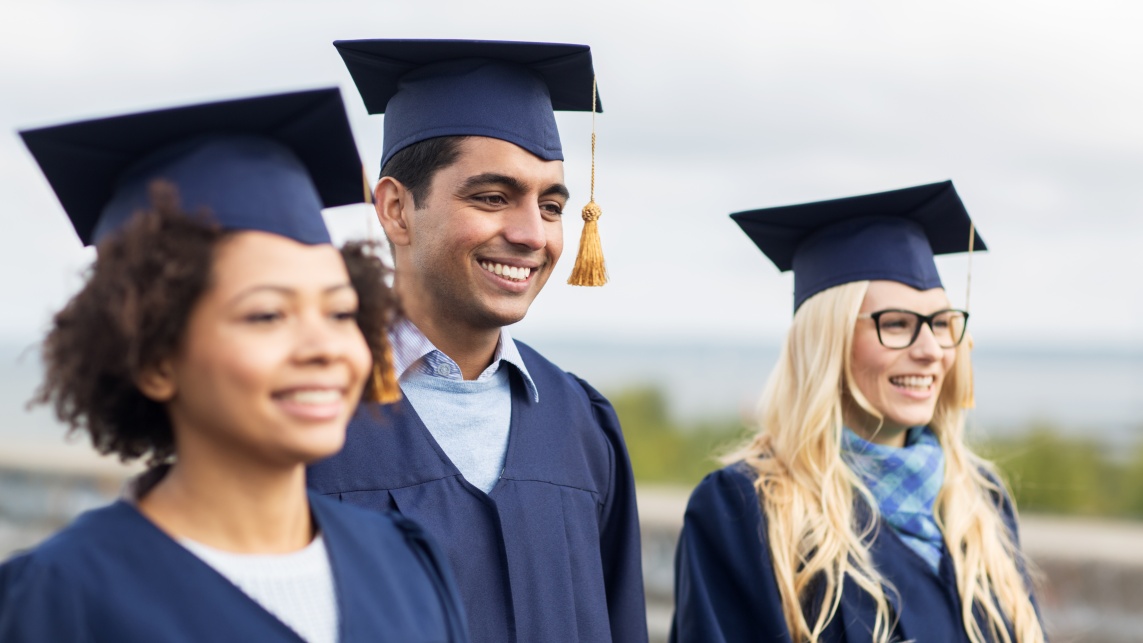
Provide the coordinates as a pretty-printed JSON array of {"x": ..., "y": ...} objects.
[
  {"x": 857, "y": 513},
  {"x": 221, "y": 337}
]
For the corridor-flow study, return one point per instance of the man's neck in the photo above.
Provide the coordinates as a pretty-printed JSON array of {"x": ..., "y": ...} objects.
[{"x": 471, "y": 349}]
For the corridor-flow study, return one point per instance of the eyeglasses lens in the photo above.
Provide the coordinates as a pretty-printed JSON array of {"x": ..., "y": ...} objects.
[{"x": 899, "y": 329}]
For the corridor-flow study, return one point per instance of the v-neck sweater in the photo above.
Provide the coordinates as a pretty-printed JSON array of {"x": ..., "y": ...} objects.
[
  {"x": 296, "y": 587},
  {"x": 469, "y": 419}
]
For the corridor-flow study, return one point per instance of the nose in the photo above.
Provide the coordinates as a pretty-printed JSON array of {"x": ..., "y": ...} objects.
[
  {"x": 317, "y": 340},
  {"x": 524, "y": 226},
  {"x": 926, "y": 348}
]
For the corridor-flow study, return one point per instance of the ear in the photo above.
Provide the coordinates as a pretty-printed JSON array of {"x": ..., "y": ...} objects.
[
  {"x": 393, "y": 202},
  {"x": 158, "y": 382}
]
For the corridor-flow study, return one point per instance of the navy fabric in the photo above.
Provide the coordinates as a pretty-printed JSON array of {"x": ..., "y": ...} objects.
[
  {"x": 726, "y": 592},
  {"x": 474, "y": 98},
  {"x": 243, "y": 182},
  {"x": 268, "y": 163},
  {"x": 552, "y": 553},
  {"x": 873, "y": 248},
  {"x": 888, "y": 235},
  {"x": 113, "y": 576},
  {"x": 504, "y": 90}
]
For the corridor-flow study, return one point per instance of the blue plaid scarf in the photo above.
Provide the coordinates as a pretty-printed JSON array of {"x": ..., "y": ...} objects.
[{"x": 905, "y": 482}]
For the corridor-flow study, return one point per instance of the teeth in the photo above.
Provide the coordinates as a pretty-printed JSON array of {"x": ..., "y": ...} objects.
[
  {"x": 515, "y": 273},
  {"x": 912, "y": 381},
  {"x": 313, "y": 396}
]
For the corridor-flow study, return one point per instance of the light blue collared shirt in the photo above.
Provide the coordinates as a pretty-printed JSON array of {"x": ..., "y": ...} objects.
[
  {"x": 469, "y": 419},
  {"x": 411, "y": 346}
]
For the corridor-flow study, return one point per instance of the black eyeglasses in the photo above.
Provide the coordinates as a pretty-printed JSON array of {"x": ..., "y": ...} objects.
[{"x": 900, "y": 328}]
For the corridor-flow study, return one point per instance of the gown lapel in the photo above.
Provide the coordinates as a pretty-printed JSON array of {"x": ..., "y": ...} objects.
[
  {"x": 925, "y": 606},
  {"x": 172, "y": 560}
]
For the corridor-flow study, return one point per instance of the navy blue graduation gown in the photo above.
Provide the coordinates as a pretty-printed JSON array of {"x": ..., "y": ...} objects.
[
  {"x": 725, "y": 589},
  {"x": 113, "y": 576},
  {"x": 552, "y": 553}
]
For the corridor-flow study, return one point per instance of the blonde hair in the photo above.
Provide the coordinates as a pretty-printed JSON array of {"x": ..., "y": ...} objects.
[{"x": 808, "y": 493}]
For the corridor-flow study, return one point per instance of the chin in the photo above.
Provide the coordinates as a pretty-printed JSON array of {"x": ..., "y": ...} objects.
[
  {"x": 315, "y": 448},
  {"x": 912, "y": 419},
  {"x": 501, "y": 316}
]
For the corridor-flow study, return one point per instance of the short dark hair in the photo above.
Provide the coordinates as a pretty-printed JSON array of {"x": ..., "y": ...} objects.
[
  {"x": 416, "y": 165},
  {"x": 132, "y": 313}
]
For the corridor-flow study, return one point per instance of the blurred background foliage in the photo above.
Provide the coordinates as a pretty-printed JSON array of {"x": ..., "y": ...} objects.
[{"x": 1048, "y": 472}]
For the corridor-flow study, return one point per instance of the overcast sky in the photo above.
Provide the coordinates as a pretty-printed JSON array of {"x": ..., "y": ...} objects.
[{"x": 1033, "y": 108}]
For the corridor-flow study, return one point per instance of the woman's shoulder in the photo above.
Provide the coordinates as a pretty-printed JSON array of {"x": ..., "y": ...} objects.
[
  {"x": 723, "y": 555},
  {"x": 734, "y": 479},
  {"x": 726, "y": 495},
  {"x": 89, "y": 532},
  {"x": 73, "y": 561}
]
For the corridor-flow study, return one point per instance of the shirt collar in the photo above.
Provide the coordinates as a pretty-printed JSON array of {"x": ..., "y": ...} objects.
[{"x": 410, "y": 347}]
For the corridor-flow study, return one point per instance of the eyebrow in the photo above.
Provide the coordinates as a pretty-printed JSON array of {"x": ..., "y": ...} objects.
[
  {"x": 284, "y": 290},
  {"x": 511, "y": 183},
  {"x": 557, "y": 189}
]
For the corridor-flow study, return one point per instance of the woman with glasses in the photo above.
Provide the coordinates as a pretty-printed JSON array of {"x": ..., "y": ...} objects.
[
  {"x": 221, "y": 337},
  {"x": 857, "y": 513}
]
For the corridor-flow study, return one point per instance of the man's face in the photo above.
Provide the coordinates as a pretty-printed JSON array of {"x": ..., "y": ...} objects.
[{"x": 487, "y": 237}]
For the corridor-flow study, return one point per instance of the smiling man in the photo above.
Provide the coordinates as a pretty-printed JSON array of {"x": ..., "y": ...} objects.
[{"x": 517, "y": 468}]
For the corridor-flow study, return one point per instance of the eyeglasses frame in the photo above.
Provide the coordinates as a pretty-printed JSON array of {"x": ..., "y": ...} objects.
[{"x": 924, "y": 320}]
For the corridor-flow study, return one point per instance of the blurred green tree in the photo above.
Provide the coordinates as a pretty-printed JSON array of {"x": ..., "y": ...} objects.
[
  {"x": 661, "y": 449},
  {"x": 1052, "y": 474},
  {"x": 1048, "y": 472},
  {"x": 1132, "y": 487}
]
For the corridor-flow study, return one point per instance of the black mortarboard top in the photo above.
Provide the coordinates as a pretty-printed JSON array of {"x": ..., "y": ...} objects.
[
  {"x": 504, "y": 90},
  {"x": 889, "y": 235},
  {"x": 268, "y": 163}
]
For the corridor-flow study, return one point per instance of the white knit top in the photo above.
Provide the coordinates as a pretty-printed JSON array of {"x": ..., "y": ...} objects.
[{"x": 297, "y": 587}]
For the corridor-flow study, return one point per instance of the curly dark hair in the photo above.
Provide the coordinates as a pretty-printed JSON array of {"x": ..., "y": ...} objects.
[{"x": 132, "y": 313}]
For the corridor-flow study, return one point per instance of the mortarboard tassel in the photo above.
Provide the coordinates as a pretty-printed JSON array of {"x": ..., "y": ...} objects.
[
  {"x": 589, "y": 267},
  {"x": 368, "y": 187},
  {"x": 970, "y": 393},
  {"x": 384, "y": 381}
]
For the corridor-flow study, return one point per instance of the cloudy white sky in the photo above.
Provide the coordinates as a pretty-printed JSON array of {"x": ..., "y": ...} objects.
[{"x": 1032, "y": 107}]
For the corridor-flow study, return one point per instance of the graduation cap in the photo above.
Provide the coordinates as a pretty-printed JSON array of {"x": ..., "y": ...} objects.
[
  {"x": 504, "y": 90},
  {"x": 269, "y": 163},
  {"x": 889, "y": 235}
]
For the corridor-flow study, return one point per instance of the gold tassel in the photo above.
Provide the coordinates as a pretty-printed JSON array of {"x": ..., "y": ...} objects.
[
  {"x": 384, "y": 380},
  {"x": 368, "y": 187},
  {"x": 589, "y": 267},
  {"x": 970, "y": 392}
]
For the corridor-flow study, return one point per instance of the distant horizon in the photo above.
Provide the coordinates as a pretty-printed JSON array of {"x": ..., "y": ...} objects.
[
  {"x": 999, "y": 346},
  {"x": 1083, "y": 392}
]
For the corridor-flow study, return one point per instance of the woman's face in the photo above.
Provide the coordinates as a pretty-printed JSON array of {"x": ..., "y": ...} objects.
[
  {"x": 272, "y": 362},
  {"x": 902, "y": 384}
]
